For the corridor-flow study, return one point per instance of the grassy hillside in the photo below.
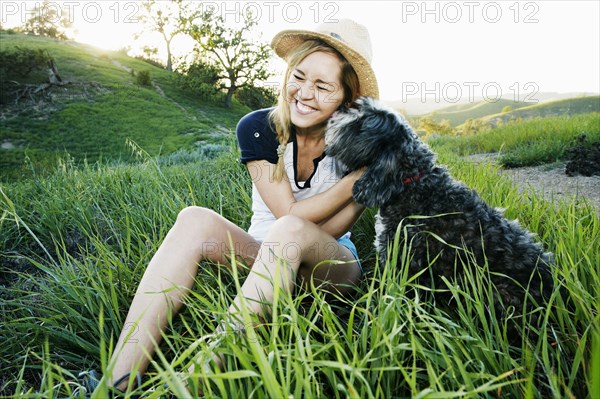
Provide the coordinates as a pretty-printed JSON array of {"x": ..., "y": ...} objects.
[
  {"x": 566, "y": 107},
  {"x": 94, "y": 116},
  {"x": 458, "y": 114},
  {"x": 416, "y": 107},
  {"x": 490, "y": 112},
  {"x": 74, "y": 246}
]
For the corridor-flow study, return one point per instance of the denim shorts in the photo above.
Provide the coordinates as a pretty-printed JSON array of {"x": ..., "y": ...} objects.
[{"x": 345, "y": 241}]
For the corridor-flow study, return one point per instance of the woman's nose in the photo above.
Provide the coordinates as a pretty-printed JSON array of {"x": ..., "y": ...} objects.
[{"x": 306, "y": 91}]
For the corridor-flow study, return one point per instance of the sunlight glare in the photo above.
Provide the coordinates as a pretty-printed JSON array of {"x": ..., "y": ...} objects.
[{"x": 104, "y": 36}]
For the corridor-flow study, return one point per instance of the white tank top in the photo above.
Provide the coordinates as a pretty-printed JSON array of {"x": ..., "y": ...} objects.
[{"x": 323, "y": 178}]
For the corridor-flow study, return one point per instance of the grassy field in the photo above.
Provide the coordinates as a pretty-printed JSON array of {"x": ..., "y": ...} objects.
[
  {"x": 108, "y": 165},
  {"x": 93, "y": 117},
  {"x": 529, "y": 142},
  {"x": 75, "y": 244}
]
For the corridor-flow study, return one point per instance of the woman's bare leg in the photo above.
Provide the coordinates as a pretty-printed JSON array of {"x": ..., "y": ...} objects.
[
  {"x": 198, "y": 234},
  {"x": 302, "y": 245}
]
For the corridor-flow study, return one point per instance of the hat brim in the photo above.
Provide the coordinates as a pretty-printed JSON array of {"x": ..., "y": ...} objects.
[{"x": 287, "y": 40}]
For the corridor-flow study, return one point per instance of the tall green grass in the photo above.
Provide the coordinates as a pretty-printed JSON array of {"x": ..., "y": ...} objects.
[
  {"x": 527, "y": 142},
  {"x": 75, "y": 245}
]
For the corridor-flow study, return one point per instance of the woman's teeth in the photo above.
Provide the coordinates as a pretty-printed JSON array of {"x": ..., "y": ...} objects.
[{"x": 304, "y": 109}]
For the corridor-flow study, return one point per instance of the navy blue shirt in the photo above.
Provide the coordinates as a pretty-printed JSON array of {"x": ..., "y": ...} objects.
[{"x": 257, "y": 137}]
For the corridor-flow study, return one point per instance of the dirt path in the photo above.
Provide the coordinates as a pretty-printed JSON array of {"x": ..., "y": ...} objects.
[{"x": 551, "y": 182}]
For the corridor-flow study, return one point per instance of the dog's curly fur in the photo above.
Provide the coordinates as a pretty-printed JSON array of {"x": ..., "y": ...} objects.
[{"x": 454, "y": 225}]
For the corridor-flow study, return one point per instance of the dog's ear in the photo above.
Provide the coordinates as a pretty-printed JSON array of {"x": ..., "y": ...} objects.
[{"x": 378, "y": 185}]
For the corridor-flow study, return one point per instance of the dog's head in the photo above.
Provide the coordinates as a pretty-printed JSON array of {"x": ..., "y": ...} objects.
[
  {"x": 371, "y": 134},
  {"x": 358, "y": 136}
]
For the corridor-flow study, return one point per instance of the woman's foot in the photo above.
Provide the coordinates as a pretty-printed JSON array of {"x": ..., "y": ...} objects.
[{"x": 90, "y": 380}]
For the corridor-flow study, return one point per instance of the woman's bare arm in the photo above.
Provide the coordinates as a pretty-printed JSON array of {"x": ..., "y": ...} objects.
[
  {"x": 342, "y": 221},
  {"x": 280, "y": 200}
]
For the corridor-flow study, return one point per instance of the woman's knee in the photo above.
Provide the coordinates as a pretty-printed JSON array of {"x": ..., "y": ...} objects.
[
  {"x": 198, "y": 223},
  {"x": 206, "y": 229},
  {"x": 196, "y": 217},
  {"x": 290, "y": 229},
  {"x": 289, "y": 226}
]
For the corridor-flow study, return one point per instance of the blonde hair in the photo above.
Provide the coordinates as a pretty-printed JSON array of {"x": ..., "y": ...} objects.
[{"x": 280, "y": 115}]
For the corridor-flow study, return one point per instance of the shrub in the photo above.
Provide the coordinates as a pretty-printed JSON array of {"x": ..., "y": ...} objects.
[
  {"x": 257, "y": 97},
  {"x": 472, "y": 126},
  {"x": 19, "y": 62},
  {"x": 584, "y": 157},
  {"x": 142, "y": 78},
  {"x": 430, "y": 127}
]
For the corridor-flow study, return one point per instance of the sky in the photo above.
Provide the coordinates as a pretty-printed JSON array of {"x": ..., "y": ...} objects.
[{"x": 451, "y": 50}]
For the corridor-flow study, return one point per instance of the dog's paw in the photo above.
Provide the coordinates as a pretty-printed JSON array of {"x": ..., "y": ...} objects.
[
  {"x": 373, "y": 191},
  {"x": 358, "y": 193},
  {"x": 362, "y": 194}
]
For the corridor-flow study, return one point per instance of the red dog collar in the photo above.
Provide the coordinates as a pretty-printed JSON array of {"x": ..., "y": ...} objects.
[{"x": 411, "y": 179}]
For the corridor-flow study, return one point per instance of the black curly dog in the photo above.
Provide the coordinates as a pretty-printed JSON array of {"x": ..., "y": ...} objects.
[{"x": 454, "y": 226}]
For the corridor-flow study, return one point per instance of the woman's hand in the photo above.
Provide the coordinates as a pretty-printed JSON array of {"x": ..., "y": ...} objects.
[
  {"x": 356, "y": 174},
  {"x": 342, "y": 221}
]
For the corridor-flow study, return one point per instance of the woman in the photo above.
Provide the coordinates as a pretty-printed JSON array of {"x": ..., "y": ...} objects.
[{"x": 302, "y": 210}]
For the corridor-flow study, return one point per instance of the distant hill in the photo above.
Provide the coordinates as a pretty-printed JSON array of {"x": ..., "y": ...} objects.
[
  {"x": 458, "y": 114},
  {"x": 570, "y": 106},
  {"x": 491, "y": 112},
  {"x": 417, "y": 107},
  {"x": 101, "y": 107}
]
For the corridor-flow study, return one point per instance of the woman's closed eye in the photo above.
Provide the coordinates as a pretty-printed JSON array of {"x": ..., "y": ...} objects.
[{"x": 321, "y": 86}]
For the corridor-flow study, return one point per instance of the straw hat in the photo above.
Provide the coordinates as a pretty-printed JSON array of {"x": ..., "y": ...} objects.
[{"x": 351, "y": 39}]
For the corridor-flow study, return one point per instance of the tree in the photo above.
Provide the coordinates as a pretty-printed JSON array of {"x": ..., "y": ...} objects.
[
  {"x": 48, "y": 20},
  {"x": 199, "y": 77},
  {"x": 257, "y": 97},
  {"x": 151, "y": 54},
  {"x": 241, "y": 62},
  {"x": 166, "y": 18}
]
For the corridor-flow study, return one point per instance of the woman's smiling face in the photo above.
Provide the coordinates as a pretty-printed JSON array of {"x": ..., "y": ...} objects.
[{"x": 314, "y": 89}]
